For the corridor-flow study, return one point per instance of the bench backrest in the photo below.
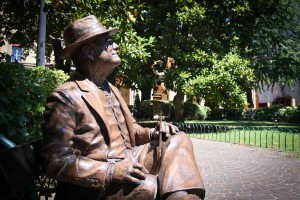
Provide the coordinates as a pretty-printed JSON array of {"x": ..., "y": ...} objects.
[{"x": 19, "y": 166}]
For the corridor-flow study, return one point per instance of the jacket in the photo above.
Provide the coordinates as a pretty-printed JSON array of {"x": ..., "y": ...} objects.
[{"x": 76, "y": 134}]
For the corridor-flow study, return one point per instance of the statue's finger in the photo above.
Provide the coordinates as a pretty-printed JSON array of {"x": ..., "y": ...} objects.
[
  {"x": 144, "y": 170},
  {"x": 168, "y": 129},
  {"x": 156, "y": 134},
  {"x": 136, "y": 173},
  {"x": 173, "y": 129},
  {"x": 141, "y": 168},
  {"x": 133, "y": 180},
  {"x": 137, "y": 165},
  {"x": 167, "y": 135}
]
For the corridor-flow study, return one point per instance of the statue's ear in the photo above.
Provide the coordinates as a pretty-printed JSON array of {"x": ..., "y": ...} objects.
[{"x": 88, "y": 52}]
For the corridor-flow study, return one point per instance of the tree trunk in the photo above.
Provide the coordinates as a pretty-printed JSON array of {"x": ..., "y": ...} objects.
[
  {"x": 59, "y": 63},
  {"x": 178, "y": 101},
  {"x": 249, "y": 98},
  {"x": 146, "y": 94}
]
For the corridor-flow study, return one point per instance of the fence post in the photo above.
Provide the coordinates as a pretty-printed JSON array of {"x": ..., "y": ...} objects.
[{"x": 215, "y": 132}]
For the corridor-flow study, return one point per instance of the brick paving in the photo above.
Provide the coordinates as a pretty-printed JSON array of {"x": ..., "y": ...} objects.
[{"x": 236, "y": 172}]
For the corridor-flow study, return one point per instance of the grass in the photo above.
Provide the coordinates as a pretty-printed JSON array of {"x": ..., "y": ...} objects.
[
  {"x": 152, "y": 123},
  {"x": 267, "y": 138},
  {"x": 245, "y": 123},
  {"x": 281, "y": 136}
]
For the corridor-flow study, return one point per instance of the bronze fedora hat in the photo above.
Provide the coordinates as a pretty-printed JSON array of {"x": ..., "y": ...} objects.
[{"x": 81, "y": 31}]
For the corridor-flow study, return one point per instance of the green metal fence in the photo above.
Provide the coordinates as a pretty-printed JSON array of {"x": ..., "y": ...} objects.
[{"x": 287, "y": 139}]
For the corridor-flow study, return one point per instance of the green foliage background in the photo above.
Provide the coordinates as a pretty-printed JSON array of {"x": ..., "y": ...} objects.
[
  {"x": 149, "y": 108},
  {"x": 220, "y": 50},
  {"x": 192, "y": 111},
  {"x": 278, "y": 113},
  {"x": 22, "y": 99}
]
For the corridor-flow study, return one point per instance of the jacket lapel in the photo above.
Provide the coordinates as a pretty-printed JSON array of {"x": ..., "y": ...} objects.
[{"x": 93, "y": 99}]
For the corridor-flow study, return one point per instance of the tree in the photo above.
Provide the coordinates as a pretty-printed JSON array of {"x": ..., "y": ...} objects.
[
  {"x": 121, "y": 14},
  {"x": 185, "y": 29},
  {"x": 136, "y": 106},
  {"x": 275, "y": 49},
  {"x": 60, "y": 12},
  {"x": 165, "y": 19},
  {"x": 13, "y": 28},
  {"x": 191, "y": 38},
  {"x": 223, "y": 82}
]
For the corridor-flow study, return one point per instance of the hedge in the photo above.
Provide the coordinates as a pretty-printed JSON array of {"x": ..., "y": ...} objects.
[
  {"x": 278, "y": 113},
  {"x": 23, "y": 92},
  {"x": 149, "y": 108},
  {"x": 192, "y": 111}
]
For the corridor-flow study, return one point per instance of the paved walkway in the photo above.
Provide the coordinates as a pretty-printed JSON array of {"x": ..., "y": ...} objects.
[{"x": 240, "y": 172}]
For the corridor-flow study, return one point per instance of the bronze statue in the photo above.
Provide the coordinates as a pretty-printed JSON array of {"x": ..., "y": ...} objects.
[{"x": 94, "y": 147}]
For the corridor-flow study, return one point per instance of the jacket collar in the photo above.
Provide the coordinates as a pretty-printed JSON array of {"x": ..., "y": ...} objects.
[
  {"x": 82, "y": 82},
  {"x": 90, "y": 96}
]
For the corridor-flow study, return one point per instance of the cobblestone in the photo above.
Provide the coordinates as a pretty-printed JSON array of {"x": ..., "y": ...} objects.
[{"x": 237, "y": 172}]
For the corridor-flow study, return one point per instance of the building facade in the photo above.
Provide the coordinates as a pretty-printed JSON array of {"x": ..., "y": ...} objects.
[{"x": 278, "y": 94}]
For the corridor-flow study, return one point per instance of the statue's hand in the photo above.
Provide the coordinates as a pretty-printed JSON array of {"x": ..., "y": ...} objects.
[
  {"x": 164, "y": 128},
  {"x": 128, "y": 172}
]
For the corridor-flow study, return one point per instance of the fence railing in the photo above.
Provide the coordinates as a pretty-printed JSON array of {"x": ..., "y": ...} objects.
[{"x": 287, "y": 139}]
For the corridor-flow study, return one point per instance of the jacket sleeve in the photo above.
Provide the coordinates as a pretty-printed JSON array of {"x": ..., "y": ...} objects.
[
  {"x": 142, "y": 135},
  {"x": 63, "y": 162}
]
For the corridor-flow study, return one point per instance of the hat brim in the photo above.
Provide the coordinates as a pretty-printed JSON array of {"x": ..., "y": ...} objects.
[{"x": 66, "y": 53}]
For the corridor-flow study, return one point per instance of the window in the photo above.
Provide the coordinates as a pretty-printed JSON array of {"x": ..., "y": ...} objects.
[
  {"x": 16, "y": 54},
  {"x": 286, "y": 101},
  {"x": 157, "y": 97}
]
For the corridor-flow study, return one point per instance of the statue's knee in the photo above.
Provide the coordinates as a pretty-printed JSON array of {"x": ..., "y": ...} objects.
[
  {"x": 148, "y": 187},
  {"x": 180, "y": 138},
  {"x": 146, "y": 190}
]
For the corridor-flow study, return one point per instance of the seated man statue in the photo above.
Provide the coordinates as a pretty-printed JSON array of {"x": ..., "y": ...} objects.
[{"x": 93, "y": 146}]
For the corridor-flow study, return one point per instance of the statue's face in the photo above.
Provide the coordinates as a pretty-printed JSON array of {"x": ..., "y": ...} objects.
[{"x": 106, "y": 51}]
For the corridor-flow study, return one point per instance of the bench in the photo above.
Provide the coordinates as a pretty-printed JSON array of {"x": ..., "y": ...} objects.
[{"x": 21, "y": 174}]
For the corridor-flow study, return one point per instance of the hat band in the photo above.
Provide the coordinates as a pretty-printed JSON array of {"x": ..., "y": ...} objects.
[{"x": 86, "y": 33}]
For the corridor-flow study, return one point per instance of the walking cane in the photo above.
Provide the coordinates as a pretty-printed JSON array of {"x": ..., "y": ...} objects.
[{"x": 160, "y": 142}]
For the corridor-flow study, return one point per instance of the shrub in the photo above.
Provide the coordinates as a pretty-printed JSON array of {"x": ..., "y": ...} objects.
[
  {"x": 227, "y": 113},
  {"x": 279, "y": 113},
  {"x": 22, "y": 99},
  {"x": 268, "y": 113},
  {"x": 296, "y": 116},
  {"x": 146, "y": 110},
  {"x": 285, "y": 114},
  {"x": 248, "y": 114},
  {"x": 136, "y": 106},
  {"x": 289, "y": 114},
  {"x": 192, "y": 111},
  {"x": 234, "y": 114},
  {"x": 149, "y": 108}
]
